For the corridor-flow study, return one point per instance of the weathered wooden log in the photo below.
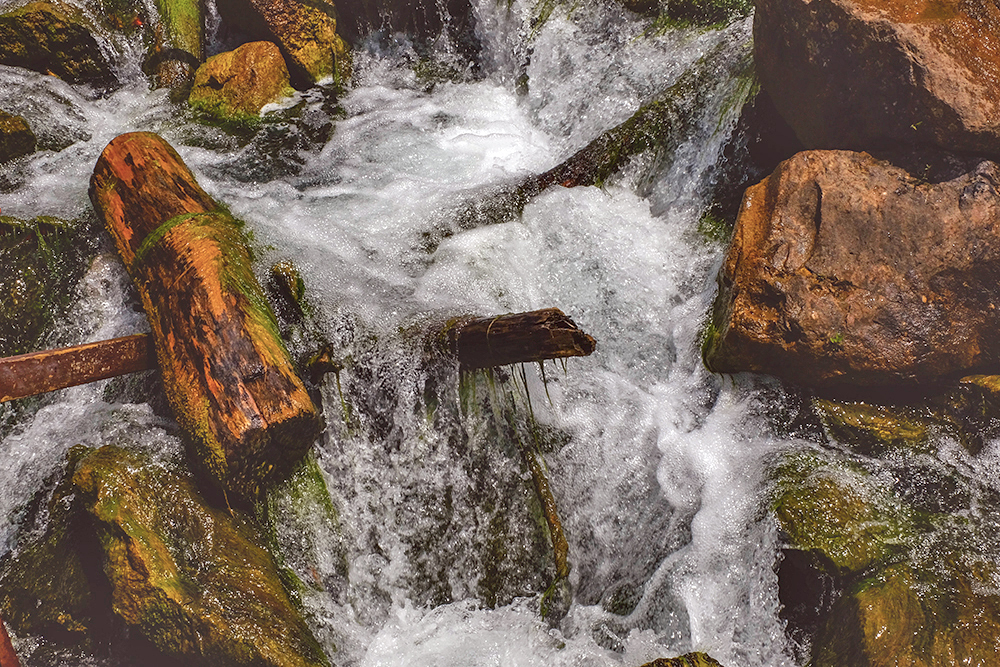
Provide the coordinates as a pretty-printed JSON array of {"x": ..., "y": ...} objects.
[
  {"x": 38, "y": 372},
  {"x": 482, "y": 342},
  {"x": 226, "y": 372},
  {"x": 8, "y": 658}
]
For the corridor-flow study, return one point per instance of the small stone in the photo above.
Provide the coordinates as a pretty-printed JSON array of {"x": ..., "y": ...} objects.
[{"x": 16, "y": 138}]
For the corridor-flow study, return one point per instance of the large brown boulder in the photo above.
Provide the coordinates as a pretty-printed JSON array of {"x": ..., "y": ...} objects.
[
  {"x": 235, "y": 85},
  {"x": 306, "y": 33},
  {"x": 861, "y": 74},
  {"x": 849, "y": 271},
  {"x": 49, "y": 38}
]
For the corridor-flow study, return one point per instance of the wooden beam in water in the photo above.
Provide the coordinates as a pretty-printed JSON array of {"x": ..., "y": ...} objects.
[{"x": 38, "y": 372}]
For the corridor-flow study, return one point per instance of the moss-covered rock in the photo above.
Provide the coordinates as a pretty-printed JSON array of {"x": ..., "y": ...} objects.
[
  {"x": 905, "y": 616},
  {"x": 305, "y": 32},
  {"x": 192, "y": 579},
  {"x": 235, "y": 85},
  {"x": 53, "y": 39},
  {"x": 44, "y": 585},
  {"x": 16, "y": 137},
  {"x": 42, "y": 260},
  {"x": 178, "y": 46},
  {"x": 838, "y": 513},
  {"x": 871, "y": 428}
]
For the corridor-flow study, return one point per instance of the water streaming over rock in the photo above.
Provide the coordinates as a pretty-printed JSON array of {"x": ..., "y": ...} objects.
[{"x": 431, "y": 549}]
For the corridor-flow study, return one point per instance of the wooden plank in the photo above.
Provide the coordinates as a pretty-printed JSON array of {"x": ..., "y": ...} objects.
[{"x": 38, "y": 372}]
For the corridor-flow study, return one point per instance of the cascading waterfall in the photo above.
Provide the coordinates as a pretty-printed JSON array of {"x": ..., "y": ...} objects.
[{"x": 659, "y": 469}]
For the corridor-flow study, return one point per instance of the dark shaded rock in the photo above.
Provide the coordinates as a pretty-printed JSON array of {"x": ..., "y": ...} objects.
[
  {"x": 864, "y": 74},
  {"x": 424, "y": 20},
  {"x": 16, "y": 138},
  {"x": 47, "y": 585},
  {"x": 306, "y": 33},
  {"x": 846, "y": 271},
  {"x": 42, "y": 261},
  {"x": 235, "y": 85},
  {"x": 192, "y": 579},
  {"x": 46, "y": 38},
  {"x": 904, "y": 616}
]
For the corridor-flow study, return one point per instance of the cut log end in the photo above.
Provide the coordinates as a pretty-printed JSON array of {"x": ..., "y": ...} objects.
[{"x": 517, "y": 338}]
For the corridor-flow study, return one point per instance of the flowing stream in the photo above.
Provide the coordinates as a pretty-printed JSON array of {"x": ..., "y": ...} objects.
[{"x": 659, "y": 468}]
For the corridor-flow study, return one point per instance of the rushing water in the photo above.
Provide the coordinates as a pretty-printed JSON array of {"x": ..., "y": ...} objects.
[{"x": 658, "y": 467}]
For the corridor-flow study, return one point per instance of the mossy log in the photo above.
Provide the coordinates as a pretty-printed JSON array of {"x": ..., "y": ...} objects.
[
  {"x": 657, "y": 128},
  {"x": 227, "y": 374},
  {"x": 484, "y": 342},
  {"x": 38, "y": 372},
  {"x": 7, "y": 656}
]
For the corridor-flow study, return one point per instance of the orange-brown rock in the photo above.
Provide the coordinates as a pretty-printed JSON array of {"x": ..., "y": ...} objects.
[
  {"x": 235, "y": 85},
  {"x": 848, "y": 271},
  {"x": 227, "y": 374},
  {"x": 306, "y": 33},
  {"x": 864, "y": 74}
]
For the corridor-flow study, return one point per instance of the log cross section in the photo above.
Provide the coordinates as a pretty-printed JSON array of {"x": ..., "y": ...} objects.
[{"x": 227, "y": 374}]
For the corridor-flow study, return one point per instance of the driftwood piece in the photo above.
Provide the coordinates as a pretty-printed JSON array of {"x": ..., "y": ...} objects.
[
  {"x": 8, "y": 658},
  {"x": 482, "y": 342},
  {"x": 38, "y": 372},
  {"x": 227, "y": 374}
]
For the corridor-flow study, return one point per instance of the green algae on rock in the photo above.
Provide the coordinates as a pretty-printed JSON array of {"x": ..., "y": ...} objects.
[
  {"x": 305, "y": 32},
  {"x": 43, "y": 259},
  {"x": 870, "y": 428},
  {"x": 45, "y": 586},
  {"x": 838, "y": 513},
  {"x": 686, "y": 660},
  {"x": 193, "y": 579},
  {"x": 47, "y": 38},
  {"x": 903, "y": 615},
  {"x": 235, "y": 85}
]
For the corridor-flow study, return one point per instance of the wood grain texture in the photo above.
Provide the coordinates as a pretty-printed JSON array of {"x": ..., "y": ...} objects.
[
  {"x": 38, "y": 372},
  {"x": 226, "y": 372}
]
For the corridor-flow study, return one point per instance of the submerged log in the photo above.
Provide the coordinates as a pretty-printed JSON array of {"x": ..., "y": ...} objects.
[
  {"x": 482, "y": 342},
  {"x": 37, "y": 372},
  {"x": 227, "y": 374},
  {"x": 657, "y": 129}
]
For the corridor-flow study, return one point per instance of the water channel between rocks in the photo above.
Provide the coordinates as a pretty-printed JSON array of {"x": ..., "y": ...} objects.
[{"x": 659, "y": 468}]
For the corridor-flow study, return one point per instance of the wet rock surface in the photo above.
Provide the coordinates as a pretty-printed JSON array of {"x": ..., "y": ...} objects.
[
  {"x": 127, "y": 559},
  {"x": 42, "y": 259},
  {"x": 865, "y": 74},
  {"x": 847, "y": 271},
  {"x": 235, "y": 85},
  {"x": 46, "y": 38},
  {"x": 306, "y": 33},
  {"x": 16, "y": 138}
]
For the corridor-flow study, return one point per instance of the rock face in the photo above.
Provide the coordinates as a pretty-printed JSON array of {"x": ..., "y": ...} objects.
[
  {"x": 863, "y": 74},
  {"x": 191, "y": 578},
  {"x": 45, "y": 38},
  {"x": 126, "y": 540},
  {"x": 236, "y": 84},
  {"x": 848, "y": 271},
  {"x": 16, "y": 138},
  {"x": 305, "y": 32},
  {"x": 686, "y": 660}
]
